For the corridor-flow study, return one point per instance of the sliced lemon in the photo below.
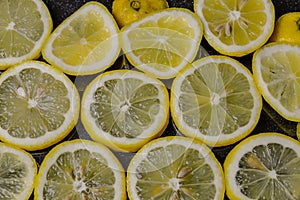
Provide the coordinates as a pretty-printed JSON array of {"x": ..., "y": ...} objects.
[
  {"x": 125, "y": 109},
  {"x": 17, "y": 173},
  {"x": 24, "y": 27},
  {"x": 175, "y": 167},
  {"x": 126, "y": 12},
  {"x": 39, "y": 105},
  {"x": 277, "y": 74},
  {"x": 84, "y": 43},
  {"x": 163, "y": 43},
  {"x": 216, "y": 101},
  {"x": 80, "y": 169},
  {"x": 264, "y": 166},
  {"x": 236, "y": 28}
]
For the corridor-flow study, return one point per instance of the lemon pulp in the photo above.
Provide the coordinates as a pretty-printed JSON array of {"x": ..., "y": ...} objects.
[
  {"x": 125, "y": 109},
  {"x": 17, "y": 172},
  {"x": 163, "y": 43},
  {"x": 38, "y": 105},
  {"x": 236, "y": 28},
  {"x": 264, "y": 166},
  {"x": 24, "y": 27},
  {"x": 215, "y": 101},
  {"x": 174, "y": 168}
]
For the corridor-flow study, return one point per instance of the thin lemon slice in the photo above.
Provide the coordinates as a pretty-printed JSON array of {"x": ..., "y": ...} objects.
[
  {"x": 264, "y": 166},
  {"x": 84, "y": 43},
  {"x": 24, "y": 27},
  {"x": 125, "y": 109},
  {"x": 175, "y": 167},
  {"x": 39, "y": 105},
  {"x": 215, "y": 101},
  {"x": 17, "y": 173},
  {"x": 163, "y": 43},
  {"x": 277, "y": 74},
  {"x": 80, "y": 169},
  {"x": 236, "y": 28}
]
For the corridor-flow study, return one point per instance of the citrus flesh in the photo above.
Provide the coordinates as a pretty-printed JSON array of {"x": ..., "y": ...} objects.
[
  {"x": 80, "y": 169},
  {"x": 175, "y": 167},
  {"x": 39, "y": 105},
  {"x": 164, "y": 42},
  {"x": 236, "y": 28},
  {"x": 125, "y": 109},
  {"x": 24, "y": 27},
  {"x": 264, "y": 166},
  {"x": 126, "y": 12},
  {"x": 216, "y": 101},
  {"x": 17, "y": 173},
  {"x": 84, "y": 43},
  {"x": 276, "y": 72}
]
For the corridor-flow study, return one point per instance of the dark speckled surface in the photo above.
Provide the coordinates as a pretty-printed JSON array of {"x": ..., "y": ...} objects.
[{"x": 270, "y": 121}]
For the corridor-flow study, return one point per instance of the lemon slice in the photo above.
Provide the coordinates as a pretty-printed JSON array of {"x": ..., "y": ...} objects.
[
  {"x": 264, "y": 166},
  {"x": 80, "y": 169},
  {"x": 126, "y": 12},
  {"x": 17, "y": 173},
  {"x": 84, "y": 43},
  {"x": 163, "y": 43},
  {"x": 39, "y": 105},
  {"x": 175, "y": 167},
  {"x": 277, "y": 73},
  {"x": 215, "y": 101},
  {"x": 125, "y": 109},
  {"x": 236, "y": 28},
  {"x": 24, "y": 27}
]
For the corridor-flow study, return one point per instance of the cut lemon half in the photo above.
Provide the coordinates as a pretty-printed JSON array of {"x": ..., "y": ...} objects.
[
  {"x": 264, "y": 166},
  {"x": 80, "y": 169},
  {"x": 125, "y": 109},
  {"x": 39, "y": 105},
  {"x": 236, "y": 28},
  {"x": 175, "y": 167},
  {"x": 17, "y": 173},
  {"x": 277, "y": 74},
  {"x": 216, "y": 101},
  {"x": 84, "y": 43},
  {"x": 24, "y": 27},
  {"x": 163, "y": 43}
]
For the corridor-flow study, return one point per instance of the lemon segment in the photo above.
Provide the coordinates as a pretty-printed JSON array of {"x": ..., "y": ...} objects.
[
  {"x": 175, "y": 167},
  {"x": 164, "y": 42},
  {"x": 39, "y": 105},
  {"x": 264, "y": 166},
  {"x": 24, "y": 27},
  {"x": 17, "y": 173},
  {"x": 277, "y": 75},
  {"x": 125, "y": 109},
  {"x": 80, "y": 169},
  {"x": 126, "y": 12},
  {"x": 85, "y": 43},
  {"x": 215, "y": 101},
  {"x": 236, "y": 28}
]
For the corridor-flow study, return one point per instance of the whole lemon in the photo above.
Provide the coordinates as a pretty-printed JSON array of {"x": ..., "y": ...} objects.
[
  {"x": 127, "y": 11},
  {"x": 287, "y": 28}
]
